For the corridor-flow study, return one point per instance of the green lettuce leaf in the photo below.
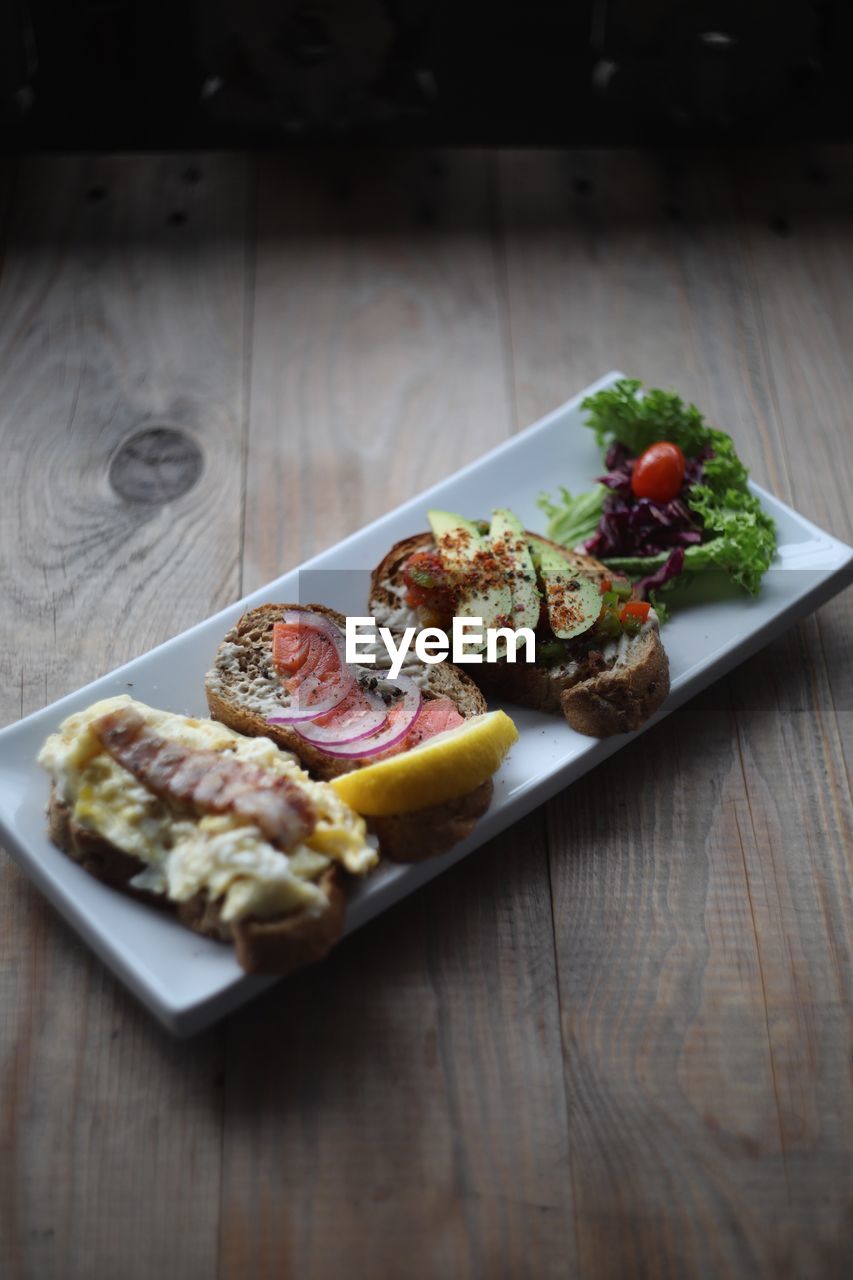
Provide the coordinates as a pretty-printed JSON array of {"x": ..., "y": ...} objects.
[
  {"x": 622, "y": 413},
  {"x": 740, "y": 536},
  {"x": 573, "y": 520}
]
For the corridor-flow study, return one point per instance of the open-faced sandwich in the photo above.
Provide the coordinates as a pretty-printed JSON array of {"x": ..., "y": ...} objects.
[
  {"x": 228, "y": 832},
  {"x": 599, "y": 658},
  {"x": 415, "y": 753}
]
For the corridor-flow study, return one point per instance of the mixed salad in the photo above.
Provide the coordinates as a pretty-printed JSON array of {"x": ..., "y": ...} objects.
[{"x": 674, "y": 498}]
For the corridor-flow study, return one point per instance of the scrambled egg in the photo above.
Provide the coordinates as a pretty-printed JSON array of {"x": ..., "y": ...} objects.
[{"x": 224, "y": 854}]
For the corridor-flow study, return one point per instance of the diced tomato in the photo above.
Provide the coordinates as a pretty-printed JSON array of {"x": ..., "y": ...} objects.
[
  {"x": 426, "y": 584},
  {"x": 606, "y": 585},
  {"x": 636, "y": 609},
  {"x": 424, "y": 569}
]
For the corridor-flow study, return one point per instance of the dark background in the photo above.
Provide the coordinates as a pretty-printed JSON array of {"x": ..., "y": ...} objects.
[{"x": 178, "y": 73}]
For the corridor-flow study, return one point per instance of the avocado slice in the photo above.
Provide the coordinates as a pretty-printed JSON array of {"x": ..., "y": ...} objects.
[
  {"x": 509, "y": 543},
  {"x": 448, "y": 523},
  {"x": 466, "y": 555},
  {"x": 573, "y": 601}
]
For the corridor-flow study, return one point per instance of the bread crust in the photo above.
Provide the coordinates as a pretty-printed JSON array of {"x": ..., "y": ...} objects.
[
  {"x": 275, "y": 946},
  {"x": 414, "y": 837},
  {"x": 615, "y": 701},
  {"x": 405, "y": 837},
  {"x": 623, "y": 699}
]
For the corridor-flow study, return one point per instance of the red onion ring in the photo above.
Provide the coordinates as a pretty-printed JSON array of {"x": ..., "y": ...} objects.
[
  {"x": 362, "y": 720},
  {"x": 299, "y": 709},
  {"x": 391, "y": 733}
]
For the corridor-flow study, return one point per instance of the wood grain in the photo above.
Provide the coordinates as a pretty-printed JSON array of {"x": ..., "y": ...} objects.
[
  {"x": 676, "y": 1146},
  {"x": 706, "y": 1139},
  {"x": 404, "y": 1105},
  {"x": 802, "y": 893},
  {"x": 378, "y": 347},
  {"x": 796, "y": 219},
  {"x": 413, "y": 1090},
  {"x": 613, "y": 1042},
  {"x": 111, "y": 320},
  {"x": 611, "y": 279}
]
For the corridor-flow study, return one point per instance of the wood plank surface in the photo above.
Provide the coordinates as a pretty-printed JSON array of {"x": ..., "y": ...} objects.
[
  {"x": 115, "y": 318},
  {"x": 808, "y": 211},
  {"x": 381, "y": 1116},
  {"x": 613, "y": 1042},
  {"x": 798, "y": 240},
  {"x": 711, "y": 1082},
  {"x": 379, "y": 340}
]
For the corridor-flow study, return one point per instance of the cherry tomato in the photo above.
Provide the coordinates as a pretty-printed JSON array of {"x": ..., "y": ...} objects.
[
  {"x": 636, "y": 609},
  {"x": 659, "y": 472}
]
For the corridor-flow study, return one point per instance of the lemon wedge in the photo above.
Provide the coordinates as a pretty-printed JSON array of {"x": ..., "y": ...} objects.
[{"x": 448, "y": 765}]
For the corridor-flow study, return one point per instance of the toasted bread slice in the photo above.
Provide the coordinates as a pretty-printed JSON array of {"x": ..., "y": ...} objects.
[
  {"x": 274, "y": 946},
  {"x": 599, "y": 704},
  {"x": 243, "y": 691}
]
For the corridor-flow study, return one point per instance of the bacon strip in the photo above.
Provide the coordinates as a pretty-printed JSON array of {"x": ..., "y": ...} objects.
[{"x": 207, "y": 781}]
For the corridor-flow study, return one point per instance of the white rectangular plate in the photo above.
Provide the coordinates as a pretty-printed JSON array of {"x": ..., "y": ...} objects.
[{"x": 188, "y": 982}]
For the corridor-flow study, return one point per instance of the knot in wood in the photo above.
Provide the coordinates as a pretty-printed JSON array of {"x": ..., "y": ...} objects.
[{"x": 156, "y": 465}]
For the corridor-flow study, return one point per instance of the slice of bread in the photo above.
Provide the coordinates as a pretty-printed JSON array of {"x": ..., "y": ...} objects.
[
  {"x": 243, "y": 692},
  {"x": 599, "y": 704},
  {"x": 274, "y": 946}
]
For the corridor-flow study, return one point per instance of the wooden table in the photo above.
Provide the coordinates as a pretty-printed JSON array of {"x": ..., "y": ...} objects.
[{"x": 612, "y": 1043}]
